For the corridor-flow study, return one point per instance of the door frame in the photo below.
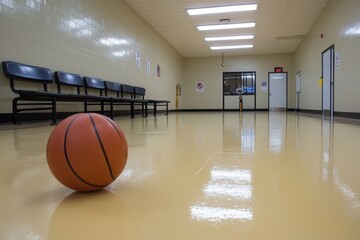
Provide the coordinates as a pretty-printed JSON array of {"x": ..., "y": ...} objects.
[
  {"x": 286, "y": 81},
  {"x": 332, "y": 80},
  {"x": 237, "y": 96}
]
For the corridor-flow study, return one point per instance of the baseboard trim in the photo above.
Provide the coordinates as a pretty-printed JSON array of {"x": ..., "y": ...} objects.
[
  {"x": 318, "y": 112},
  {"x": 354, "y": 115},
  {"x": 217, "y": 110},
  {"x": 26, "y": 117},
  {"x": 7, "y": 117}
]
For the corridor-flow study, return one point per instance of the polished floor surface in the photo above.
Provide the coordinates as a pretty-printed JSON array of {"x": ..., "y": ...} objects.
[{"x": 194, "y": 176}]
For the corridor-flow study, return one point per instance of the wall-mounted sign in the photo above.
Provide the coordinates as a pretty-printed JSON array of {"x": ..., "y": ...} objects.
[
  {"x": 278, "y": 69},
  {"x": 148, "y": 65},
  {"x": 199, "y": 86},
  {"x": 264, "y": 86},
  {"x": 138, "y": 60},
  {"x": 158, "y": 70},
  {"x": 337, "y": 60}
]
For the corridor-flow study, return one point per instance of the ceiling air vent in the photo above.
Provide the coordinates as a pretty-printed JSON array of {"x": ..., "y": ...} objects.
[{"x": 224, "y": 20}]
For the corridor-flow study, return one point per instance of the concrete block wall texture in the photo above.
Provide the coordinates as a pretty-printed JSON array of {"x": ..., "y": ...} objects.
[
  {"x": 102, "y": 39},
  {"x": 92, "y": 38}
]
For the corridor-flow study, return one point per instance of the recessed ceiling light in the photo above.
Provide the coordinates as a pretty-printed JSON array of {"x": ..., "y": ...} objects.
[
  {"x": 225, "y": 26},
  {"x": 223, "y": 9},
  {"x": 230, "y": 47},
  {"x": 225, "y": 38}
]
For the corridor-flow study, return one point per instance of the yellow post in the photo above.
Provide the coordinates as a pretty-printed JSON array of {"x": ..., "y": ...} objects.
[
  {"x": 240, "y": 103},
  {"x": 178, "y": 93}
]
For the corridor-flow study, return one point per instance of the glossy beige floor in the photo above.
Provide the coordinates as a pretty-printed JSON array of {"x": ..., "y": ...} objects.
[{"x": 194, "y": 176}]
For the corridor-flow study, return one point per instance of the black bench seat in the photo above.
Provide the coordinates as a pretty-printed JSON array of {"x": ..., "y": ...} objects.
[
  {"x": 40, "y": 91},
  {"x": 36, "y": 95},
  {"x": 127, "y": 92},
  {"x": 113, "y": 90},
  {"x": 30, "y": 99},
  {"x": 140, "y": 92}
]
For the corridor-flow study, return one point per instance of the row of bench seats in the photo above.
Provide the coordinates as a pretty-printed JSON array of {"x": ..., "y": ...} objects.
[{"x": 71, "y": 87}]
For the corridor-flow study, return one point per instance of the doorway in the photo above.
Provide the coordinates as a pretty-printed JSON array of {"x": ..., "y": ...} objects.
[
  {"x": 236, "y": 84},
  {"x": 328, "y": 81},
  {"x": 278, "y": 91}
]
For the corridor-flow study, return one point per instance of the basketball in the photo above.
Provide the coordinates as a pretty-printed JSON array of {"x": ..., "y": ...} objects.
[{"x": 87, "y": 151}]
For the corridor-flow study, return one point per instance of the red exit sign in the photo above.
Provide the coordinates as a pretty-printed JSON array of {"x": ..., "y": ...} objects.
[{"x": 278, "y": 69}]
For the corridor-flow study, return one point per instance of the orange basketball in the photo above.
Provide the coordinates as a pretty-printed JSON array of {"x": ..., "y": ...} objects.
[{"x": 87, "y": 151}]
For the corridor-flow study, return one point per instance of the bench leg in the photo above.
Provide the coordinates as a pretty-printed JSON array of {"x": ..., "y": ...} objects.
[
  {"x": 54, "y": 111},
  {"x": 167, "y": 109},
  {"x": 132, "y": 110},
  {"x": 14, "y": 106},
  {"x": 155, "y": 109},
  {"x": 146, "y": 109},
  {"x": 102, "y": 108},
  {"x": 111, "y": 109},
  {"x": 85, "y": 107}
]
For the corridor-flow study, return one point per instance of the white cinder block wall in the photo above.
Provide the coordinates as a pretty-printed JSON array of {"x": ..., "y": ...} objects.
[
  {"x": 101, "y": 39},
  {"x": 91, "y": 38},
  {"x": 340, "y": 25}
]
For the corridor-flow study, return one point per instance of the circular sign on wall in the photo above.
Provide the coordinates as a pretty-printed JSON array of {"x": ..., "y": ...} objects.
[{"x": 199, "y": 86}]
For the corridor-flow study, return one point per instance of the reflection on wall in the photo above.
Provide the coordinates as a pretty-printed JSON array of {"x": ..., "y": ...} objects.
[
  {"x": 352, "y": 30},
  {"x": 80, "y": 27},
  {"x": 72, "y": 20},
  {"x": 227, "y": 196}
]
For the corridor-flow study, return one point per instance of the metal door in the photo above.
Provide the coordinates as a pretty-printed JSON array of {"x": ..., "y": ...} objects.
[
  {"x": 277, "y": 91},
  {"x": 328, "y": 82}
]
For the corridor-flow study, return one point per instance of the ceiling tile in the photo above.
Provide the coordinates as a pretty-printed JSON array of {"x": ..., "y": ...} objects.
[{"x": 274, "y": 18}]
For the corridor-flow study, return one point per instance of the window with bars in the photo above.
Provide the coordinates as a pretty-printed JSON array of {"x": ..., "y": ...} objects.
[{"x": 233, "y": 81}]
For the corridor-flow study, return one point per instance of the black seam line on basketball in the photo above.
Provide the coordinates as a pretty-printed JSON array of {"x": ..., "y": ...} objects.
[
  {"x": 122, "y": 140},
  {"x": 102, "y": 146},
  {"x": 67, "y": 157}
]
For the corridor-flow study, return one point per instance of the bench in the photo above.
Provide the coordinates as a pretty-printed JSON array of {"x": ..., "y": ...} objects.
[
  {"x": 127, "y": 92},
  {"x": 35, "y": 94},
  {"x": 30, "y": 99},
  {"x": 75, "y": 89},
  {"x": 115, "y": 92},
  {"x": 95, "y": 88},
  {"x": 38, "y": 93},
  {"x": 139, "y": 92}
]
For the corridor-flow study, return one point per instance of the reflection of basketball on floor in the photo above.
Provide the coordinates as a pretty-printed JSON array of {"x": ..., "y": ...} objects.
[
  {"x": 87, "y": 151},
  {"x": 79, "y": 216}
]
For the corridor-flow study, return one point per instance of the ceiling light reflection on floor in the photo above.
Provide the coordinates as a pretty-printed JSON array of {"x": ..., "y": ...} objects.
[
  {"x": 213, "y": 214},
  {"x": 243, "y": 175},
  {"x": 233, "y": 191}
]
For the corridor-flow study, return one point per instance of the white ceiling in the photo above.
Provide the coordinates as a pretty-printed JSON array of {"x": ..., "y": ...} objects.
[{"x": 288, "y": 20}]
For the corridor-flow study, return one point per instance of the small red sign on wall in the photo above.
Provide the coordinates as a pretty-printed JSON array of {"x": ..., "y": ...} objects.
[{"x": 278, "y": 69}]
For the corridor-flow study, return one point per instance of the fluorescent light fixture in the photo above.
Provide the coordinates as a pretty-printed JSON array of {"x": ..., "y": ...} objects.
[
  {"x": 226, "y": 26},
  {"x": 226, "y": 38},
  {"x": 230, "y": 47},
  {"x": 223, "y": 9}
]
